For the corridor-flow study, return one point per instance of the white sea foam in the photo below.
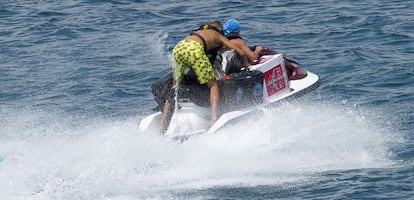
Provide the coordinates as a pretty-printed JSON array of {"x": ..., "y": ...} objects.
[{"x": 103, "y": 159}]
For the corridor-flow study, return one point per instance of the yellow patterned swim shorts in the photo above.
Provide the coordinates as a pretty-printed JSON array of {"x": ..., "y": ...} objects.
[{"x": 189, "y": 53}]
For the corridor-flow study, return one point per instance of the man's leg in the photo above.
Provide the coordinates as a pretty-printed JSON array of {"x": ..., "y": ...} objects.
[
  {"x": 214, "y": 99},
  {"x": 164, "y": 121}
]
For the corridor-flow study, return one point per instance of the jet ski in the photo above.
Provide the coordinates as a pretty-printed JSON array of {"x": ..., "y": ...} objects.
[{"x": 273, "y": 77}]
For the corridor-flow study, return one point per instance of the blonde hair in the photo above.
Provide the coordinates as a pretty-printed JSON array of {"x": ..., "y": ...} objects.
[{"x": 215, "y": 23}]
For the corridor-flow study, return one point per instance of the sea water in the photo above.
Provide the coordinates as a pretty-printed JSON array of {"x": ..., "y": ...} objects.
[{"x": 75, "y": 82}]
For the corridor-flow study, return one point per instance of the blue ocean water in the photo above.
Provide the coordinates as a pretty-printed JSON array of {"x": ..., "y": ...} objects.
[{"x": 75, "y": 82}]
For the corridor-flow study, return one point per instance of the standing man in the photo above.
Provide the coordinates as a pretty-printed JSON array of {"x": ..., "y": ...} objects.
[{"x": 191, "y": 52}]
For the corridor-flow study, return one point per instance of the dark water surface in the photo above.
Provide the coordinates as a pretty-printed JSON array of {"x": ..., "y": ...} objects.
[{"x": 75, "y": 81}]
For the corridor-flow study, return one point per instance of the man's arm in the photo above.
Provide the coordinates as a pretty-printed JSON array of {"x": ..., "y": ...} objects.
[
  {"x": 251, "y": 55},
  {"x": 226, "y": 42}
]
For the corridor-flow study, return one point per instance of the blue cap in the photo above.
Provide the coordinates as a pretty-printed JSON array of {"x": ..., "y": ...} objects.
[{"x": 231, "y": 26}]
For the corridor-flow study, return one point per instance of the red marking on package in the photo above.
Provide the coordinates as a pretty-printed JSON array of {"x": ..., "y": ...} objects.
[
  {"x": 263, "y": 60},
  {"x": 274, "y": 80}
]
